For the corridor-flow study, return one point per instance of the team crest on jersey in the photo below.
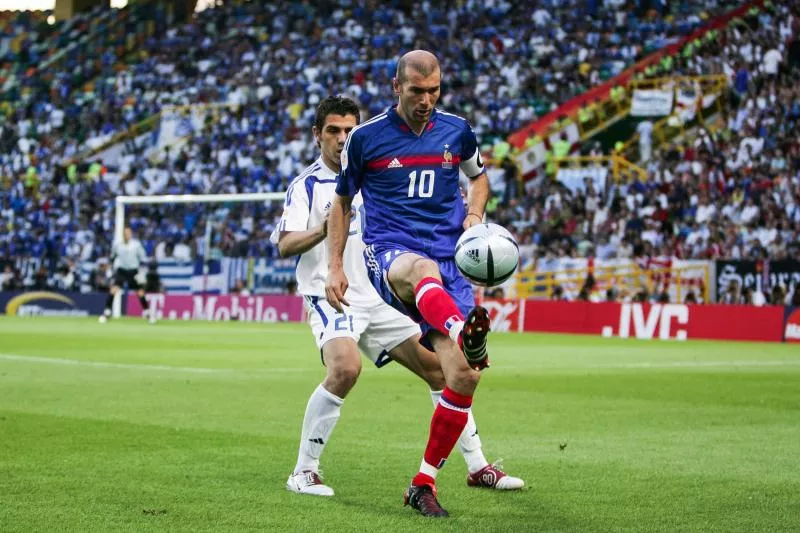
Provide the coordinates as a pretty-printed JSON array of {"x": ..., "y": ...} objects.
[{"x": 448, "y": 157}]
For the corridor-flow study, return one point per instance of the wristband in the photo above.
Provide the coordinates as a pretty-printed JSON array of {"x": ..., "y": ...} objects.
[{"x": 475, "y": 215}]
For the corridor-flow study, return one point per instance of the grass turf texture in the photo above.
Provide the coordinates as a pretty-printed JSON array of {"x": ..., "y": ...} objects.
[{"x": 194, "y": 426}]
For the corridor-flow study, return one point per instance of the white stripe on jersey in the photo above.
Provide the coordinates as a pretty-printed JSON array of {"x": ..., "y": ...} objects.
[
  {"x": 312, "y": 267},
  {"x": 373, "y": 120},
  {"x": 450, "y": 114}
]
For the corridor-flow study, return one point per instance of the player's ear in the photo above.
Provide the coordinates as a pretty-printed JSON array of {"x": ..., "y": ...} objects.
[
  {"x": 316, "y": 133},
  {"x": 395, "y": 87}
]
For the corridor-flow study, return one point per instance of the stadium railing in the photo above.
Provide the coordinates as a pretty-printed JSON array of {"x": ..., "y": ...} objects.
[
  {"x": 626, "y": 279},
  {"x": 620, "y": 168}
]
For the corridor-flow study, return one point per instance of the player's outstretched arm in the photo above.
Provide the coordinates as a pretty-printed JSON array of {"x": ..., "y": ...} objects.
[
  {"x": 477, "y": 196},
  {"x": 338, "y": 230},
  {"x": 299, "y": 242}
]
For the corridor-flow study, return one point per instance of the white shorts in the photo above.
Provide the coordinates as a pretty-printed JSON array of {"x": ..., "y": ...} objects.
[{"x": 377, "y": 330}]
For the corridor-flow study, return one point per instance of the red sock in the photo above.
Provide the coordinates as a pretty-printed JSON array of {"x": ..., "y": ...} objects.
[
  {"x": 447, "y": 423},
  {"x": 436, "y": 306}
]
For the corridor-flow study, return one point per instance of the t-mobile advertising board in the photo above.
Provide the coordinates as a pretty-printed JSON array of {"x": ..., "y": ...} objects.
[
  {"x": 257, "y": 308},
  {"x": 647, "y": 321}
]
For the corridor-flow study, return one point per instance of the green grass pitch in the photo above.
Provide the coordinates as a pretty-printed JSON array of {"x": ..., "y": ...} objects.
[{"x": 194, "y": 427}]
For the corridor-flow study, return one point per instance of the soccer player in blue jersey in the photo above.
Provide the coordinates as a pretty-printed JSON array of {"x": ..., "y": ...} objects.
[
  {"x": 405, "y": 162},
  {"x": 369, "y": 324}
]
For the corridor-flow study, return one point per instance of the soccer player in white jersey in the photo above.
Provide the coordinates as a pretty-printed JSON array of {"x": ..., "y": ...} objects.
[
  {"x": 382, "y": 333},
  {"x": 127, "y": 257}
]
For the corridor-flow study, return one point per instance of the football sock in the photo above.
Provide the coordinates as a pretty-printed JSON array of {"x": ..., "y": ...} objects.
[
  {"x": 322, "y": 413},
  {"x": 449, "y": 419},
  {"x": 438, "y": 308},
  {"x": 143, "y": 301},
  {"x": 109, "y": 301},
  {"x": 469, "y": 443}
]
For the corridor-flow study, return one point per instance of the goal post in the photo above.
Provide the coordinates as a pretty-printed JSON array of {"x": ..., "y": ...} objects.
[{"x": 121, "y": 202}]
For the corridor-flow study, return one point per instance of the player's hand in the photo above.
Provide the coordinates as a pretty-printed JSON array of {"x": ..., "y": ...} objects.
[
  {"x": 324, "y": 225},
  {"x": 472, "y": 219},
  {"x": 335, "y": 287}
]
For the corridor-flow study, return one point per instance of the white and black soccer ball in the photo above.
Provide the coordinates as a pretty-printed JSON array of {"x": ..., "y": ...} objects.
[{"x": 487, "y": 254}]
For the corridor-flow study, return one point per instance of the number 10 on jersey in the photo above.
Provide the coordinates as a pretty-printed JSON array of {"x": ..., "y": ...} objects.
[{"x": 425, "y": 187}]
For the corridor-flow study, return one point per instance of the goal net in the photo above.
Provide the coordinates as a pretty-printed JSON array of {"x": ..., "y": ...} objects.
[{"x": 226, "y": 237}]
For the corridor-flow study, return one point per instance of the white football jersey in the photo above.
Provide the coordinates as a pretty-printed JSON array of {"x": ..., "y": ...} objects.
[
  {"x": 129, "y": 255},
  {"x": 308, "y": 199}
]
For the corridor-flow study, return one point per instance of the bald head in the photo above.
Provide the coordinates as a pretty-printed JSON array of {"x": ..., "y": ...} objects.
[{"x": 421, "y": 61}]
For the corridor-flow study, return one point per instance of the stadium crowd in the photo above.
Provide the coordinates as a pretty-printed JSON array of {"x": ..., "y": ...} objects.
[
  {"x": 505, "y": 65},
  {"x": 728, "y": 192}
]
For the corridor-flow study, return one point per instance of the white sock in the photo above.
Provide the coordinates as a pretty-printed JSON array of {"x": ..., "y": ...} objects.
[
  {"x": 454, "y": 332},
  {"x": 469, "y": 443},
  {"x": 322, "y": 413}
]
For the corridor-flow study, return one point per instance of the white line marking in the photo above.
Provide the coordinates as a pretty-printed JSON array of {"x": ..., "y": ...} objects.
[
  {"x": 699, "y": 364},
  {"x": 664, "y": 364},
  {"x": 134, "y": 366}
]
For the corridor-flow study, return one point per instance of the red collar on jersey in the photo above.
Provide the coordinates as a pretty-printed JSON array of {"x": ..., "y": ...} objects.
[{"x": 398, "y": 120}]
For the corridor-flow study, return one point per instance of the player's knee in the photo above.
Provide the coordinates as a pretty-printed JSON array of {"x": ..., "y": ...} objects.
[
  {"x": 342, "y": 377},
  {"x": 434, "y": 377},
  {"x": 464, "y": 381},
  {"x": 425, "y": 268}
]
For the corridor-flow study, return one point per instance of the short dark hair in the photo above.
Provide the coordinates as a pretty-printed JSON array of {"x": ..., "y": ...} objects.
[
  {"x": 335, "y": 105},
  {"x": 425, "y": 65}
]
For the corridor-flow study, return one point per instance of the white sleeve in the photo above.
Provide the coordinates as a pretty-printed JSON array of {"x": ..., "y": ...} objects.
[
  {"x": 296, "y": 209},
  {"x": 471, "y": 163},
  {"x": 473, "y": 167}
]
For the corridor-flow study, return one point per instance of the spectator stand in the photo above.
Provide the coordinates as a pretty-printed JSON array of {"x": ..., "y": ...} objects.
[{"x": 594, "y": 110}]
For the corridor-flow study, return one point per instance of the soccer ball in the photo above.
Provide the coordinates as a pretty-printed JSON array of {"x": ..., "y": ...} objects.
[{"x": 487, "y": 254}]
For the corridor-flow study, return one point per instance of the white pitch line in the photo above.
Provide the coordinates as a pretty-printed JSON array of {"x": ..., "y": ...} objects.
[
  {"x": 134, "y": 366},
  {"x": 699, "y": 364},
  {"x": 665, "y": 364}
]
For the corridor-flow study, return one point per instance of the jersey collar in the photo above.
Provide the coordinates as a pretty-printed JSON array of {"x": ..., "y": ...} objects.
[
  {"x": 398, "y": 121},
  {"x": 322, "y": 163}
]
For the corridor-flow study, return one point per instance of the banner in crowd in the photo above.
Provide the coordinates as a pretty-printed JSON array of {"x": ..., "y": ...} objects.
[
  {"x": 533, "y": 158},
  {"x": 647, "y": 321},
  {"x": 179, "y": 122},
  {"x": 651, "y": 102},
  {"x": 223, "y": 307},
  {"x": 51, "y": 303},
  {"x": 757, "y": 275},
  {"x": 574, "y": 179},
  {"x": 262, "y": 275}
]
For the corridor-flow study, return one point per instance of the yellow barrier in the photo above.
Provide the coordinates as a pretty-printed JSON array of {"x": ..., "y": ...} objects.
[{"x": 626, "y": 279}]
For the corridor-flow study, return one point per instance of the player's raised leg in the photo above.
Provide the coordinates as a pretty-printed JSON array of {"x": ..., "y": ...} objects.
[
  {"x": 417, "y": 282},
  {"x": 343, "y": 366}
]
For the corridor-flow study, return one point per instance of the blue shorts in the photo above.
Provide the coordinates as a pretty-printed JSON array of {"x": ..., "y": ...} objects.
[{"x": 379, "y": 259}]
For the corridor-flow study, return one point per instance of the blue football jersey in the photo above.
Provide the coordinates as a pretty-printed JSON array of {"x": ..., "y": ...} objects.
[{"x": 410, "y": 182}]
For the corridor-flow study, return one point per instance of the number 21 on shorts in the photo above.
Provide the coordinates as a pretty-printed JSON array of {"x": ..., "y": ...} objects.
[{"x": 423, "y": 188}]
